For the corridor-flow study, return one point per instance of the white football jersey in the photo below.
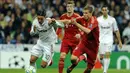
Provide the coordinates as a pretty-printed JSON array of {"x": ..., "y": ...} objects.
[
  {"x": 106, "y": 27},
  {"x": 46, "y": 32}
]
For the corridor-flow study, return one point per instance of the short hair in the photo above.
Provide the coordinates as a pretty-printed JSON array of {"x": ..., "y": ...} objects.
[
  {"x": 104, "y": 6},
  {"x": 41, "y": 12},
  {"x": 70, "y": 2},
  {"x": 90, "y": 8}
]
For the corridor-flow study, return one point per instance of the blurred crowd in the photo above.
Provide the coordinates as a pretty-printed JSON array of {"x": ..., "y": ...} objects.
[{"x": 16, "y": 16}]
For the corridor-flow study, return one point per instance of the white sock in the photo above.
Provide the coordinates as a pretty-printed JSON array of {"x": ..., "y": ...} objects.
[{"x": 106, "y": 64}]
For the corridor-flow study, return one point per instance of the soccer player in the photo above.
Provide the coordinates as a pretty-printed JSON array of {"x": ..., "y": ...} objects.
[
  {"x": 90, "y": 39},
  {"x": 71, "y": 34},
  {"x": 47, "y": 37},
  {"x": 107, "y": 25}
]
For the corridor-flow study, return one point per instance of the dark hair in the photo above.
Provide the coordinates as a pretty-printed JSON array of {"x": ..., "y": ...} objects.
[
  {"x": 90, "y": 8},
  {"x": 70, "y": 2},
  {"x": 41, "y": 12},
  {"x": 104, "y": 6}
]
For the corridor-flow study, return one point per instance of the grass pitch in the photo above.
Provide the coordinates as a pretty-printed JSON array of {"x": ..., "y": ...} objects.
[{"x": 55, "y": 70}]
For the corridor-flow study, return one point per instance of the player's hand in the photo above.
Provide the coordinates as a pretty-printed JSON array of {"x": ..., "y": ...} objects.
[
  {"x": 77, "y": 36},
  {"x": 34, "y": 28},
  {"x": 120, "y": 45},
  {"x": 67, "y": 21},
  {"x": 51, "y": 21},
  {"x": 73, "y": 21}
]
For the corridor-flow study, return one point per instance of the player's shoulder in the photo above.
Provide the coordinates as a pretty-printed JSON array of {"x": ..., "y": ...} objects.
[
  {"x": 111, "y": 17},
  {"x": 35, "y": 21},
  {"x": 100, "y": 17},
  {"x": 63, "y": 14}
]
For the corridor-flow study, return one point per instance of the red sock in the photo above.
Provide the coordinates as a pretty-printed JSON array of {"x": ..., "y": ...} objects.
[
  {"x": 82, "y": 57},
  {"x": 61, "y": 65}
]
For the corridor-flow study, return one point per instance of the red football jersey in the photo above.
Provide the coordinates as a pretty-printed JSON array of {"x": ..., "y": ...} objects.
[
  {"x": 70, "y": 30},
  {"x": 93, "y": 36}
]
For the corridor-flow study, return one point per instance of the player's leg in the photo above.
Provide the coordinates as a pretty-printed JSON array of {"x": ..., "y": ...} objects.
[
  {"x": 35, "y": 53},
  {"x": 91, "y": 58},
  {"x": 107, "y": 57},
  {"x": 101, "y": 53},
  {"x": 47, "y": 54},
  {"x": 81, "y": 57},
  {"x": 61, "y": 61},
  {"x": 63, "y": 51},
  {"x": 33, "y": 60},
  {"x": 106, "y": 61},
  {"x": 74, "y": 58}
]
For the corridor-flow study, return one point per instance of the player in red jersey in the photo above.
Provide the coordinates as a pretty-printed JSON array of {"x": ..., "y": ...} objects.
[
  {"x": 90, "y": 39},
  {"x": 71, "y": 35}
]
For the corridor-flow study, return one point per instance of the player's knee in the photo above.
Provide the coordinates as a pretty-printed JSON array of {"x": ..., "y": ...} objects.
[
  {"x": 63, "y": 55},
  {"x": 107, "y": 55},
  {"x": 43, "y": 65}
]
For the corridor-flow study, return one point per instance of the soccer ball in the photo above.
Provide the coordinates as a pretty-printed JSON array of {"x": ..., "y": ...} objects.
[
  {"x": 30, "y": 69},
  {"x": 16, "y": 62}
]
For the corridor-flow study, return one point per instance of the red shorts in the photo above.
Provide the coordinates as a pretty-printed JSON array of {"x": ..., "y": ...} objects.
[
  {"x": 68, "y": 45},
  {"x": 89, "y": 49}
]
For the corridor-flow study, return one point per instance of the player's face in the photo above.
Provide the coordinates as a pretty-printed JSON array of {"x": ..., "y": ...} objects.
[
  {"x": 104, "y": 10},
  {"x": 40, "y": 19},
  {"x": 86, "y": 14},
  {"x": 70, "y": 8}
]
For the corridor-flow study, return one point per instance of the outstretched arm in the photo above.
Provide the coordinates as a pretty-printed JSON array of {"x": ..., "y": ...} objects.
[
  {"x": 86, "y": 30},
  {"x": 65, "y": 21}
]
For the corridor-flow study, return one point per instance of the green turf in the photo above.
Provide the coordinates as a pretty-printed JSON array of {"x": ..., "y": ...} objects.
[{"x": 54, "y": 70}]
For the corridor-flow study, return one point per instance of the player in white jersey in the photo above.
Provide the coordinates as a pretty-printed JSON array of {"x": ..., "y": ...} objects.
[
  {"x": 47, "y": 37},
  {"x": 107, "y": 25}
]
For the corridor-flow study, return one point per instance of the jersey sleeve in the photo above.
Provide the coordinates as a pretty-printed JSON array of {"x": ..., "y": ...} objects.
[
  {"x": 115, "y": 27},
  {"x": 32, "y": 28}
]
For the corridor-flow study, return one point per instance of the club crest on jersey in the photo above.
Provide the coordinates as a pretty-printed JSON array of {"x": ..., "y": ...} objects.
[{"x": 90, "y": 26}]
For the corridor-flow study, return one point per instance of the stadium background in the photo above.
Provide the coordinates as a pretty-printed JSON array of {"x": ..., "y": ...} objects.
[{"x": 16, "y": 17}]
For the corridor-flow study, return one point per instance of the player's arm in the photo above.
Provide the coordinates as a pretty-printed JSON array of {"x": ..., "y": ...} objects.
[
  {"x": 118, "y": 37},
  {"x": 115, "y": 28},
  {"x": 86, "y": 30},
  {"x": 65, "y": 21},
  {"x": 33, "y": 29}
]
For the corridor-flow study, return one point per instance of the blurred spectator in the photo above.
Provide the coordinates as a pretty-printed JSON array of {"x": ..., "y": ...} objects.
[
  {"x": 9, "y": 29},
  {"x": 8, "y": 16},
  {"x": 31, "y": 15},
  {"x": 127, "y": 13},
  {"x": 126, "y": 31},
  {"x": 126, "y": 40},
  {"x": 2, "y": 35},
  {"x": 78, "y": 8},
  {"x": 3, "y": 22}
]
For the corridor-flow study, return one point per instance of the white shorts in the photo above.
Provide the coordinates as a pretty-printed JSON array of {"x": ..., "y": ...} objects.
[
  {"x": 44, "y": 51},
  {"x": 103, "y": 48}
]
